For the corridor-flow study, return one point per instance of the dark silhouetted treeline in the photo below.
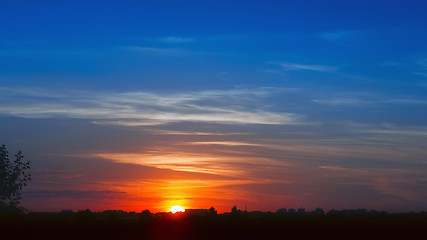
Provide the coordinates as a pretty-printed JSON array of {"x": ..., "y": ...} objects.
[{"x": 208, "y": 224}]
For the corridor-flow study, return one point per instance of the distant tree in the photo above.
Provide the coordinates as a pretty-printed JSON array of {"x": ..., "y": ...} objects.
[
  {"x": 112, "y": 216},
  {"x": 281, "y": 211},
  {"x": 212, "y": 211},
  {"x": 13, "y": 177},
  {"x": 145, "y": 216},
  {"x": 235, "y": 211},
  {"x": 85, "y": 216},
  {"x": 146, "y": 213}
]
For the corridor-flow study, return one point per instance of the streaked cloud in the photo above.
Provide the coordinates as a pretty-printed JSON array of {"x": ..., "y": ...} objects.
[
  {"x": 306, "y": 67},
  {"x": 357, "y": 101},
  {"x": 343, "y": 37},
  {"x": 242, "y": 106},
  {"x": 337, "y": 35},
  {"x": 398, "y": 131},
  {"x": 229, "y": 37},
  {"x": 276, "y": 72},
  {"x": 339, "y": 101},
  {"x": 175, "y": 39},
  {"x": 424, "y": 74},
  {"x": 75, "y": 194},
  {"x": 156, "y": 50},
  {"x": 130, "y": 123},
  {"x": 179, "y": 161},
  {"x": 192, "y": 133},
  {"x": 226, "y": 143},
  {"x": 388, "y": 181},
  {"x": 54, "y": 173},
  {"x": 389, "y": 64},
  {"x": 422, "y": 62}
]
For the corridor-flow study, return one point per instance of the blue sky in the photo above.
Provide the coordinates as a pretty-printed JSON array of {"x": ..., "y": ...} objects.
[{"x": 240, "y": 95}]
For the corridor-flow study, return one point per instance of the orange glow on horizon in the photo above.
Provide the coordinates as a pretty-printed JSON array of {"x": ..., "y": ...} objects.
[
  {"x": 176, "y": 208},
  {"x": 192, "y": 176}
]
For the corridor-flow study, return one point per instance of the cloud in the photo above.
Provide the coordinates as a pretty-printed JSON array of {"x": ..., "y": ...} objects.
[
  {"x": 346, "y": 170},
  {"x": 275, "y": 72},
  {"x": 423, "y": 62},
  {"x": 48, "y": 53},
  {"x": 424, "y": 74},
  {"x": 422, "y": 132},
  {"x": 174, "y": 39},
  {"x": 305, "y": 67},
  {"x": 192, "y": 133},
  {"x": 54, "y": 173},
  {"x": 343, "y": 37},
  {"x": 76, "y": 194},
  {"x": 178, "y": 161},
  {"x": 389, "y": 64},
  {"x": 131, "y": 123},
  {"x": 360, "y": 102},
  {"x": 226, "y": 143},
  {"x": 156, "y": 50},
  {"x": 403, "y": 187},
  {"x": 139, "y": 108},
  {"x": 337, "y": 35},
  {"x": 423, "y": 68},
  {"x": 338, "y": 101}
]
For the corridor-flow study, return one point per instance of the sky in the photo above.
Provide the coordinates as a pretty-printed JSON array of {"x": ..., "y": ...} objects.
[{"x": 139, "y": 105}]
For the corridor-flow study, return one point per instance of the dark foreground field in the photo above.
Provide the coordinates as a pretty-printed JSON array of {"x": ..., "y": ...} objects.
[{"x": 51, "y": 226}]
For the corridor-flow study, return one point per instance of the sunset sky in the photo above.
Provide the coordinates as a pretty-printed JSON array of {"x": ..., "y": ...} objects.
[{"x": 139, "y": 105}]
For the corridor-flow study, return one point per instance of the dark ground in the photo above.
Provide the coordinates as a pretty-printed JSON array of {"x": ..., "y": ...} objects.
[{"x": 274, "y": 226}]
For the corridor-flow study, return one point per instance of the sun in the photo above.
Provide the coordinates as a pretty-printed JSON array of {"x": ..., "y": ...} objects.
[{"x": 176, "y": 208}]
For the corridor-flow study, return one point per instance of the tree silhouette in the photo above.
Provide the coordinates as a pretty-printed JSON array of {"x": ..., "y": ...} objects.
[
  {"x": 13, "y": 177},
  {"x": 85, "y": 216},
  {"x": 212, "y": 211},
  {"x": 145, "y": 216},
  {"x": 234, "y": 210}
]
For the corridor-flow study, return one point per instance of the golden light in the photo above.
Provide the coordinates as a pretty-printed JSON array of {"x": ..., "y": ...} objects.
[{"x": 176, "y": 208}]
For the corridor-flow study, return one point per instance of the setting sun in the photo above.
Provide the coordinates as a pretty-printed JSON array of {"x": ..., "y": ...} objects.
[{"x": 176, "y": 208}]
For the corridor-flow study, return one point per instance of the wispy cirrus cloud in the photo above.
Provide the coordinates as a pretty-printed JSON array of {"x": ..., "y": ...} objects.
[
  {"x": 175, "y": 39},
  {"x": 193, "y": 133},
  {"x": 337, "y": 35},
  {"x": 179, "y": 161},
  {"x": 170, "y": 39},
  {"x": 343, "y": 37},
  {"x": 54, "y": 173},
  {"x": 422, "y": 62},
  {"x": 286, "y": 66},
  {"x": 156, "y": 50},
  {"x": 75, "y": 194},
  {"x": 235, "y": 106},
  {"x": 367, "y": 98},
  {"x": 424, "y": 74},
  {"x": 338, "y": 101},
  {"x": 423, "y": 71},
  {"x": 389, "y": 64},
  {"x": 360, "y": 102}
]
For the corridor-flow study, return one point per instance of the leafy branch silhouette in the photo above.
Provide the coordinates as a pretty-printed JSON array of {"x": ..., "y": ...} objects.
[{"x": 13, "y": 177}]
